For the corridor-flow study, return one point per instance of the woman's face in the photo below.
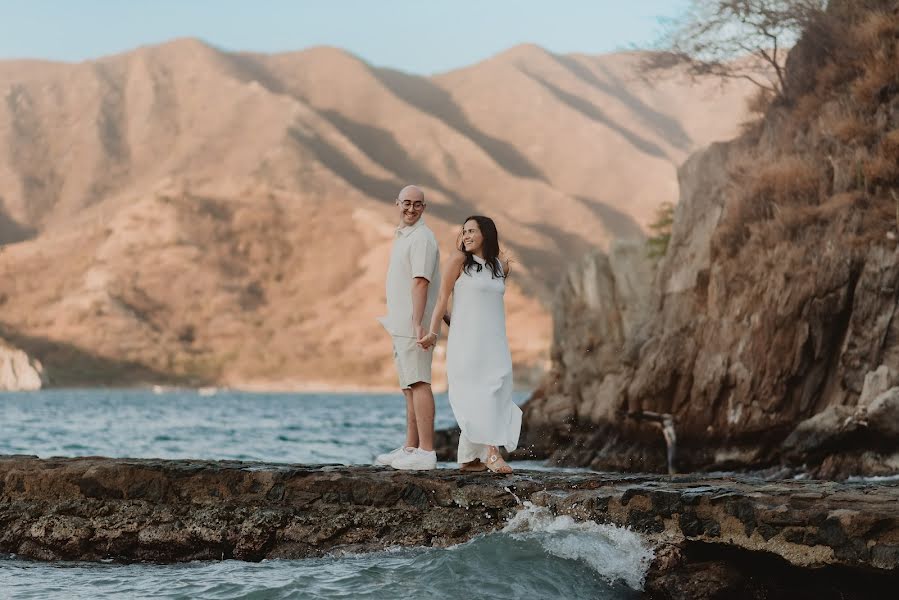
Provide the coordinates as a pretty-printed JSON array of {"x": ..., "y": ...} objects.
[{"x": 472, "y": 238}]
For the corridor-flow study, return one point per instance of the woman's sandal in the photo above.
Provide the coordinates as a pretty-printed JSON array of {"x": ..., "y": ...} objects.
[
  {"x": 496, "y": 464},
  {"x": 475, "y": 466}
]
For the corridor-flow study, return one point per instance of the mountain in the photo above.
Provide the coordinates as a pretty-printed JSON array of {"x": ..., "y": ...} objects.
[{"x": 182, "y": 213}]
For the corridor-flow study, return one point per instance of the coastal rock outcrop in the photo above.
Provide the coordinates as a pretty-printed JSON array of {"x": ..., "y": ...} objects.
[
  {"x": 18, "y": 371},
  {"x": 180, "y": 510},
  {"x": 772, "y": 337},
  {"x": 602, "y": 303}
]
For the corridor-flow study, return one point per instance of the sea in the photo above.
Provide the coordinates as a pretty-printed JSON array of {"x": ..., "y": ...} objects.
[{"x": 535, "y": 555}]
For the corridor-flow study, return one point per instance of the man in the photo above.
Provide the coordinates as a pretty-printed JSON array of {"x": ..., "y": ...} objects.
[{"x": 413, "y": 281}]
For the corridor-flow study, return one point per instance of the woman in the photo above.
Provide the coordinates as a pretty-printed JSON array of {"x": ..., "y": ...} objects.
[{"x": 478, "y": 363}]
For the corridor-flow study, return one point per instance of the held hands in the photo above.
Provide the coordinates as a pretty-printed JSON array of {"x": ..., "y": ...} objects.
[{"x": 425, "y": 341}]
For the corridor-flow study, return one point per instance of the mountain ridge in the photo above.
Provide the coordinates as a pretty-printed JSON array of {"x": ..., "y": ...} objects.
[{"x": 234, "y": 175}]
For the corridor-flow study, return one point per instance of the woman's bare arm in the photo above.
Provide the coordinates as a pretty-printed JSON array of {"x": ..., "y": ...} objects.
[
  {"x": 506, "y": 261},
  {"x": 451, "y": 273}
]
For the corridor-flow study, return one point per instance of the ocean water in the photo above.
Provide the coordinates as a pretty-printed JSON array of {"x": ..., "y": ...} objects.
[{"x": 535, "y": 556}]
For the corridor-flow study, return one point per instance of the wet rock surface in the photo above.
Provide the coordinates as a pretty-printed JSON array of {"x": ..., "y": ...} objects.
[
  {"x": 711, "y": 571},
  {"x": 180, "y": 510}
]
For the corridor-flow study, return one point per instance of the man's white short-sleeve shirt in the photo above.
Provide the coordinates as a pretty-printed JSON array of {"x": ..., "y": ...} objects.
[{"x": 414, "y": 254}]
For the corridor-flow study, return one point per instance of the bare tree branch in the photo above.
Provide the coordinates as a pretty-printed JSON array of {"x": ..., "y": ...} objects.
[{"x": 718, "y": 37}]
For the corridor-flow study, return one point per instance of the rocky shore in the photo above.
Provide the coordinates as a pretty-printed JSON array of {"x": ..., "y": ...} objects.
[{"x": 710, "y": 533}]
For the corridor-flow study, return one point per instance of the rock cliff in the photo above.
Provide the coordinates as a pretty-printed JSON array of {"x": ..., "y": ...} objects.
[
  {"x": 18, "y": 371},
  {"x": 767, "y": 335}
]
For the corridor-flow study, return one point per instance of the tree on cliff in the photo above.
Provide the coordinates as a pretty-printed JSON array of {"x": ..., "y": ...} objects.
[
  {"x": 661, "y": 230},
  {"x": 746, "y": 39}
]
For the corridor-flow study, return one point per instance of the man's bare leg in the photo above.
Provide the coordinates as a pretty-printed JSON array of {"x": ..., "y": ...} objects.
[
  {"x": 423, "y": 402},
  {"x": 411, "y": 425}
]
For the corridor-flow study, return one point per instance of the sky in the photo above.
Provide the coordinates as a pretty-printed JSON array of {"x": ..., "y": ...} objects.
[{"x": 419, "y": 36}]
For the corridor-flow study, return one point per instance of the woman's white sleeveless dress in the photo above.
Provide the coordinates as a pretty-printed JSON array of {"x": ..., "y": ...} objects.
[{"x": 479, "y": 365}]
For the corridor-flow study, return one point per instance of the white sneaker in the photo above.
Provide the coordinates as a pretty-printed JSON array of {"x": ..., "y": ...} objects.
[
  {"x": 387, "y": 459},
  {"x": 416, "y": 460}
]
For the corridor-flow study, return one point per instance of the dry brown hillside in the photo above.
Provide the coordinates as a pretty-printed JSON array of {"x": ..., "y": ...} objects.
[{"x": 180, "y": 212}]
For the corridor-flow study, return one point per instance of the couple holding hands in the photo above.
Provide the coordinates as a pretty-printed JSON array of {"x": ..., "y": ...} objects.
[{"x": 478, "y": 362}]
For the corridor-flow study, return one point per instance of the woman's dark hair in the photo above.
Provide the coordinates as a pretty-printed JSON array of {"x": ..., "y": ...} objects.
[{"x": 490, "y": 248}]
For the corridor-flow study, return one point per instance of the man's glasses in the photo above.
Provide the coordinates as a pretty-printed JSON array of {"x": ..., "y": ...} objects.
[{"x": 417, "y": 205}]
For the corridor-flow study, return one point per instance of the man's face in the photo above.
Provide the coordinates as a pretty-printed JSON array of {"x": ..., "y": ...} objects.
[{"x": 411, "y": 207}]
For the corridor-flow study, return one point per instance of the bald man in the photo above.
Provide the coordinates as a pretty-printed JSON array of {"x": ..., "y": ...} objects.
[{"x": 413, "y": 282}]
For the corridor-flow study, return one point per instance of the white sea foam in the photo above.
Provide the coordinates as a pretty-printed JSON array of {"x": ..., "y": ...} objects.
[{"x": 615, "y": 553}]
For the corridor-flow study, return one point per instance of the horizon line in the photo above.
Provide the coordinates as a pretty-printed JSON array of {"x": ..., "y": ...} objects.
[{"x": 224, "y": 50}]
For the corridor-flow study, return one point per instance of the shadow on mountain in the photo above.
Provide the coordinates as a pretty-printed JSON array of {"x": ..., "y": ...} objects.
[
  {"x": 11, "y": 231},
  {"x": 381, "y": 147},
  {"x": 437, "y": 102},
  {"x": 384, "y": 190},
  {"x": 548, "y": 265},
  {"x": 669, "y": 128},
  {"x": 69, "y": 365},
  {"x": 593, "y": 113},
  {"x": 619, "y": 224},
  {"x": 111, "y": 122},
  {"x": 544, "y": 274},
  {"x": 248, "y": 68}
]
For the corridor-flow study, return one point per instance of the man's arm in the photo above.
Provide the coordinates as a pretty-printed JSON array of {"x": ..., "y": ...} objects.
[
  {"x": 450, "y": 275},
  {"x": 419, "y": 300},
  {"x": 423, "y": 261}
]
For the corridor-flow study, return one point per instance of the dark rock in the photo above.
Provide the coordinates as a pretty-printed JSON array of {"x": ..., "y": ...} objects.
[
  {"x": 711, "y": 580},
  {"x": 715, "y": 538},
  {"x": 821, "y": 432},
  {"x": 171, "y": 511},
  {"x": 691, "y": 525},
  {"x": 710, "y": 571}
]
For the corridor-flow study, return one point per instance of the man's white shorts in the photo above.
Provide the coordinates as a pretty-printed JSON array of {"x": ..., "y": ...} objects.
[{"x": 413, "y": 364}]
